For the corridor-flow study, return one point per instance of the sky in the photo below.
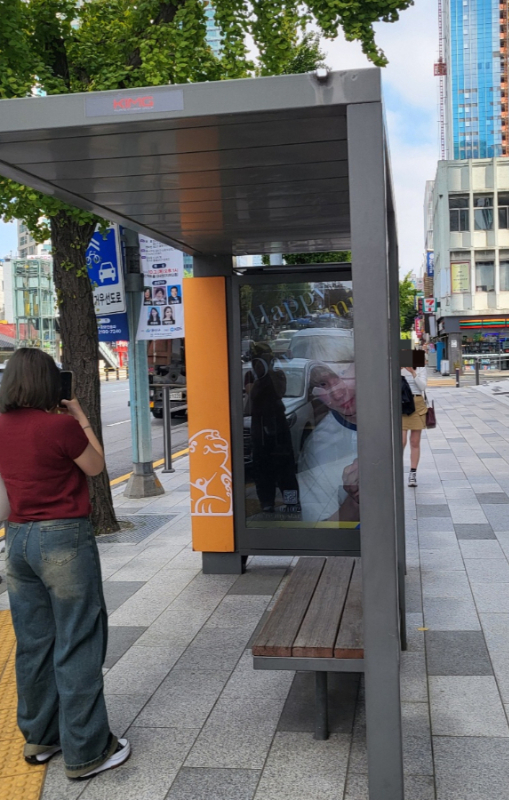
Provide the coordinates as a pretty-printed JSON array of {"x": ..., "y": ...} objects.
[{"x": 411, "y": 106}]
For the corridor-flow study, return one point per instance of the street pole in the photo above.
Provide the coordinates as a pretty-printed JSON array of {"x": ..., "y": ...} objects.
[
  {"x": 167, "y": 429},
  {"x": 477, "y": 372},
  {"x": 457, "y": 378},
  {"x": 143, "y": 481}
]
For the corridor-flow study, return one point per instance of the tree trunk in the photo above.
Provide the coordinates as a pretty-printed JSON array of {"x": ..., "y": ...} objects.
[{"x": 80, "y": 344}]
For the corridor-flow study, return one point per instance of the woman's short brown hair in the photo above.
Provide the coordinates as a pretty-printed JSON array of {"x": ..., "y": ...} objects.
[{"x": 31, "y": 380}]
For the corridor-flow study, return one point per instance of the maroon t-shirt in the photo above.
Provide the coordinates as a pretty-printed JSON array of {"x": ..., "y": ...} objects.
[{"x": 37, "y": 452}]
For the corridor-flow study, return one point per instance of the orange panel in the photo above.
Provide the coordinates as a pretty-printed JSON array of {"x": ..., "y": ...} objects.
[{"x": 209, "y": 414}]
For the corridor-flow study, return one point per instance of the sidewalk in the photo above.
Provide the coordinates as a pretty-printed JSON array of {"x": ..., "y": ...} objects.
[{"x": 205, "y": 726}]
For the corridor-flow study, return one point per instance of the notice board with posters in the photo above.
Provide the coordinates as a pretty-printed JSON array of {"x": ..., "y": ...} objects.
[{"x": 162, "y": 310}]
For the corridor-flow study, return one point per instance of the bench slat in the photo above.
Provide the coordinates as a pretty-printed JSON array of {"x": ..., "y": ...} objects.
[
  {"x": 350, "y": 641},
  {"x": 319, "y": 629},
  {"x": 278, "y": 634}
]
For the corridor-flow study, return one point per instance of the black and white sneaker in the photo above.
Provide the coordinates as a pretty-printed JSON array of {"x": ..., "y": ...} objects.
[
  {"x": 120, "y": 755},
  {"x": 412, "y": 479},
  {"x": 41, "y": 758}
]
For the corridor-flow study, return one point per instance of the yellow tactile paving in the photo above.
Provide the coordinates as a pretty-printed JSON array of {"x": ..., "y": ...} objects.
[{"x": 18, "y": 780}]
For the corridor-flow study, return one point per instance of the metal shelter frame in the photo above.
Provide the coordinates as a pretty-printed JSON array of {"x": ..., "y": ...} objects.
[{"x": 268, "y": 165}]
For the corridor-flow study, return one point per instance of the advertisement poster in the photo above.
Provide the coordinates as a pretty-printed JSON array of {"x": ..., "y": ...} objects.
[
  {"x": 162, "y": 310},
  {"x": 300, "y": 408},
  {"x": 105, "y": 269},
  {"x": 460, "y": 277},
  {"x": 430, "y": 263}
]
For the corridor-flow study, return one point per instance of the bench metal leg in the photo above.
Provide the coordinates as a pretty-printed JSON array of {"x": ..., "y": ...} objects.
[{"x": 321, "y": 713}]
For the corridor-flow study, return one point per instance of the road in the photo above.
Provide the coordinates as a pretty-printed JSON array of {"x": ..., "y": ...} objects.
[{"x": 116, "y": 419}]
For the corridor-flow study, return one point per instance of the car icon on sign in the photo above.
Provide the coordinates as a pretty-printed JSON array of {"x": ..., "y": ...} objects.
[{"x": 107, "y": 270}]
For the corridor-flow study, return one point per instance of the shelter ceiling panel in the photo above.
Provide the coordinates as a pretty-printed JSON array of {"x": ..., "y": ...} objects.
[
  {"x": 259, "y": 176},
  {"x": 301, "y": 130},
  {"x": 287, "y": 192},
  {"x": 290, "y": 154}
]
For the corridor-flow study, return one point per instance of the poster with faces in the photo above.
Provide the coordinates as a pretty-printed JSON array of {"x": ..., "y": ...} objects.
[{"x": 162, "y": 310}]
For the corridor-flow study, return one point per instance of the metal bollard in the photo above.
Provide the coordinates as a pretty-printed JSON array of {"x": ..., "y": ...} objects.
[
  {"x": 167, "y": 429},
  {"x": 457, "y": 379},
  {"x": 106, "y": 373},
  {"x": 477, "y": 372},
  {"x": 127, "y": 370},
  {"x": 118, "y": 375}
]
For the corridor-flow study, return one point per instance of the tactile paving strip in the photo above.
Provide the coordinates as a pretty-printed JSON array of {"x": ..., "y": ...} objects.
[
  {"x": 18, "y": 780},
  {"x": 143, "y": 526}
]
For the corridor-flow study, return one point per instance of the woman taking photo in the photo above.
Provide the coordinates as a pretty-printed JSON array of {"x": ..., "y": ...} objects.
[
  {"x": 416, "y": 422},
  {"x": 53, "y": 570}
]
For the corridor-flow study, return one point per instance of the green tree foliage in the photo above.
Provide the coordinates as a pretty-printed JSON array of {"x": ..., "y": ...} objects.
[
  {"x": 65, "y": 46},
  {"x": 332, "y": 257},
  {"x": 406, "y": 304}
]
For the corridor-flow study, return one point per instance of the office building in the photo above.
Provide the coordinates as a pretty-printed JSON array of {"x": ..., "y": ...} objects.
[
  {"x": 474, "y": 47},
  {"x": 471, "y": 249},
  {"x": 28, "y": 247},
  {"x": 213, "y": 32}
]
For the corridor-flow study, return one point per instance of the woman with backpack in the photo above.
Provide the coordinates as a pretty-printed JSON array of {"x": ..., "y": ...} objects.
[{"x": 415, "y": 421}]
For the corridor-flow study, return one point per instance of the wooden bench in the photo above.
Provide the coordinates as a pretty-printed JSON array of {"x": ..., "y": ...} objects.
[{"x": 316, "y": 626}]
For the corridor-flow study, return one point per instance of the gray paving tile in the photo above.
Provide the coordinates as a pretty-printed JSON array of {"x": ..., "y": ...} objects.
[
  {"x": 427, "y": 510},
  {"x": 491, "y": 597},
  {"x": 184, "y": 699},
  {"x": 487, "y": 570},
  {"x": 258, "y": 581},
  {"x": 214, "y": 784},
  {"x": 298, "y": 714},
  {"x": 300, "y": 767},
  {"x": 493, "y": 498},
  {"x": 446, "y": 583},
  {"x": 496, "y": 632},
  {"x": 457, "y": 653},
  {"x": 471, "y": 768},
  {"x": 466, "y": 706},
  {"x": 417, "y": 787},
  {"x": 157, "y": 755},
  {"x": 435, "y": 524},
  {"x": 497, "y": 515},
  {"x": 123, "y": 710},
  {"x": 481, "y": 548},
  {"x": 120, "y": 639},
  {"x": 474, "y": 532},
  {"x": 140, "y": 670},
  {"x": 450, "y": 614},
  {"x": 413, "y": 678}
]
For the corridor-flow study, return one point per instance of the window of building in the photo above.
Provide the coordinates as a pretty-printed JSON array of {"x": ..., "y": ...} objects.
[
  {"x": 503, "y": 209},
  {"x": 485, "y": 276},
  {"x": 483, "y": 212},
  {"x": 458, "y": 212},
  {"x": 504, "y": 272}
]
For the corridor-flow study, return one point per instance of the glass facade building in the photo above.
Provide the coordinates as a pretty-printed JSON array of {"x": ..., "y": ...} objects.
[
  {"x": 476, "y": 41},
  {"x": 213, "y": 32}
]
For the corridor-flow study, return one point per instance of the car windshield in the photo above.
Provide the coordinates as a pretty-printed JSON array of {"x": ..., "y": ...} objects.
[
  {"x": 316, "y": 348},
  {"x": 294, "y": 380}
]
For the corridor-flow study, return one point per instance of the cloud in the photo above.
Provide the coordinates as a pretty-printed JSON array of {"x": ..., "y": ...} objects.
[{"x": 411, "y": 103}]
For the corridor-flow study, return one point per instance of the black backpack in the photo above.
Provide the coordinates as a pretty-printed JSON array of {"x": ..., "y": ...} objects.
[{"x": 407, "y": 398}]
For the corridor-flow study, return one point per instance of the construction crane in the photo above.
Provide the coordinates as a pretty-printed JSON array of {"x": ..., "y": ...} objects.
[{"x": 440, "y": 70}]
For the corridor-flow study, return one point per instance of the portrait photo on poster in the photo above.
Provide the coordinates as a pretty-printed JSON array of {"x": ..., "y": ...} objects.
[
  {"x": 154, "y": 317},
  {"x": 147, "y": 295},
  {"x": 175, "y": 294},
  {"x": 299, "y": 400},
  {"x": 159, "y": 295}
]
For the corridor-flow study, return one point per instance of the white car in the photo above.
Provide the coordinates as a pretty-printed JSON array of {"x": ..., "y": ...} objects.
[
  {"x": 2, "y": 368},
  {"x": 107, "y": 270}
]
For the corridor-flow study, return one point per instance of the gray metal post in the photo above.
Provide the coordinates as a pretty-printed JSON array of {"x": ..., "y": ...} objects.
[
  {"x": 143, "y": 481},
  {"x": 379, "y": 423},
  {"x": 167, "y": 429},
  {"x": 457, "y": 378},
  {"x": 477, "y": 372},
  {"x": 321, "y": 710}
]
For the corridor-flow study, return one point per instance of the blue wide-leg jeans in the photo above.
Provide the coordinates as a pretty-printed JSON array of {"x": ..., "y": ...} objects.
[{"x": 61, "y": 626}]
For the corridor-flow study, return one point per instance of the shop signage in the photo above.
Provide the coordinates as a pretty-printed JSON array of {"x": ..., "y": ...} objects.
[
  {"x": 429, "y": 305},
  {"x": 430, "y": 263},
  {"x": 460, "y": 277}
]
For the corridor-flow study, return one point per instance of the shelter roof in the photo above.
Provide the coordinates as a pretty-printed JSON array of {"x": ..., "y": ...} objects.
[{"x": 230, "y": 167}]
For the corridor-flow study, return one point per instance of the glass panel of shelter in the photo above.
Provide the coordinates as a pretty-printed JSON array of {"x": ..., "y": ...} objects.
[{"x": 299, "y": 405}]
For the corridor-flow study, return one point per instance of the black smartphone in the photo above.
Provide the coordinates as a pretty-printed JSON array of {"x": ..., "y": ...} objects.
[{"x": 66, "y": 384}]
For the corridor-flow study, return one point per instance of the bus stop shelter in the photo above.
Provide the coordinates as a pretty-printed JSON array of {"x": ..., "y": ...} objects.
[{"x": 271, "y": 165}]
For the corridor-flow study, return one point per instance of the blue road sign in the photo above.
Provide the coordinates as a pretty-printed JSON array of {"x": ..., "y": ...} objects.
[{"x": 105, "y": 269}]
